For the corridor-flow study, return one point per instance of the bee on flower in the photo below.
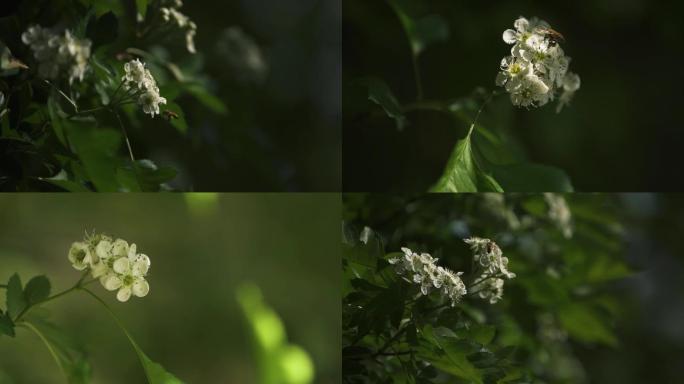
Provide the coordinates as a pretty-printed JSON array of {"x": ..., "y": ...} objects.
[{"x": 536, "y": 72}]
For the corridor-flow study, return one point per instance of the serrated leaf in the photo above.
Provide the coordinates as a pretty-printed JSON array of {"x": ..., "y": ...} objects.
[
  {"x": 463, "y": 173},
  {"x": 37, "y": 289},
  {"x": 6, "y": 325},
  {"x": 207, "y": 99},
  {"x": 16, "y": 302}
]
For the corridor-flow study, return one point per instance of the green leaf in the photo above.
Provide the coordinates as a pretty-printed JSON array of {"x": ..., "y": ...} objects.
[
  {"x": 528, "y": 177},
  {"x": 584, "y": 324},
  {"x": 61, "y": 180},
  {"x": 141, "y": 6},
  {"x": 97, "y": 150},
  {"x": 207, "y": 99},
  {"x": 6, "y": 325},
  {"x": 156, "y": 374},
  {"x": 56, "y": 121},
  {"x": 463, "y": 173},
  {"x": 279, "y": 362},
  {"x": 380, "y": 94},
  {"x": 37, "y": 289},
  {"x": 16, "y": 302},
  {"x": 422, "y": 31}
]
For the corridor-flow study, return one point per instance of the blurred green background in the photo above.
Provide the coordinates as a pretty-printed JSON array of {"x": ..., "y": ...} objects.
[
  {"x": 202, "y": 247},
  {"x": 647, "y": 235},
  {"x": 622, "y": 132}
]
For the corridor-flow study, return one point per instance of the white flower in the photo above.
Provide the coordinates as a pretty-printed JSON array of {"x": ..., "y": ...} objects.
[
  {"x": 537, "y": 69},
  {"x": 58, "y": 53},
  {"x": 173, "y": 16},
  {"x": 571, "y": 83},
  {"x": 116, "y": 264},
  {"x": 559, "y": 213},
  {"x": 492, "y": 289},
  {"x": 423, "y": 270},
  {"x": 81, "y": 255},
  {"x": 139, "y": 78},
  {"x": 489, "y": 257}
]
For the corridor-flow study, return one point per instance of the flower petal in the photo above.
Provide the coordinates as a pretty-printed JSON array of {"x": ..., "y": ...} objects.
[
  {"x": 124, "y": 294},
  {"x": 510, "y": 36},
  {"x": 141, "y": 288},
  {"x": 122, "y": 265},
  {"x": 111, "y": 282}
]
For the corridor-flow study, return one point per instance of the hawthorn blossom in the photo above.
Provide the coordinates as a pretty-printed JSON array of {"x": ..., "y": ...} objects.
[
  {"x": 493, "y": 267},
  {"x": 138, "y": 78},
  {"x": 559, "y": 213},
  {"x": 489, "y": 257},
  {"x": 422, "y": 269},
  {"x": 537, "y": 69},
  {"x": 116, "y": 264},
  {"x": 172, "y": 16},
  {"x": 58, "y": 53}
]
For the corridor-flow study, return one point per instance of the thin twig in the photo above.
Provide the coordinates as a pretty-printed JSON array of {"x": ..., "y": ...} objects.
[{"x": 123, "y": 130}]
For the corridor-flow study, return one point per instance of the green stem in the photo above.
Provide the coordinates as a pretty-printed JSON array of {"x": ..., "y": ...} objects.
[
  {"x": 76, "y": 286},
  {"x": 123, "y": 328},
  {"x": 123, "y": 130},
  {"x": 3, "y": 286},
  {"x": 47, "y": 344}
]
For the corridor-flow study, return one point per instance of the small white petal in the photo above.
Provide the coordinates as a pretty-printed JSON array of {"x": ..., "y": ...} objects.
[
  {"x": 510, "y": 36},
  {"x": 111, "y": 282},
  {"x": 122, "y": 265},
  {"x": 124, "y": 294},
  {"x": 141, "y": 288}
]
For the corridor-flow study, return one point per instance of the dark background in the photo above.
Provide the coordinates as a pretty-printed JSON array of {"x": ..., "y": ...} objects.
[{"x": 623, "y": 131}]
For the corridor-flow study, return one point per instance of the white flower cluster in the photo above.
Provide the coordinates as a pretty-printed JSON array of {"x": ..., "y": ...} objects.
[
  {"x": 172, "y": 15},
  {"x": 140, "y": 79},
  {"x": 559, "y": 213},
  {"x": 115, "y": 263},
  {"x": 422, "y": 269},
  {"x": 490, "y": 260},
  {"x": 58, "y": 52},
  {"x": 537, "y": 69}
]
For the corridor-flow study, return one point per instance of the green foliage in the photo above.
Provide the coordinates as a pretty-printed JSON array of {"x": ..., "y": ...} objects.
[
  {"x": 15, "y": 299},
  {"x": 561, "y": 299},
  {"x": 279, "y": 361},
  {"x": 37, "y": 290}
]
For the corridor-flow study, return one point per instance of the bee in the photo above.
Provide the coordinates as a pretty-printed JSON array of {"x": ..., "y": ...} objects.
[
  {"x": 554, "y": 36},
  {"x": 168, "y": 115}
]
